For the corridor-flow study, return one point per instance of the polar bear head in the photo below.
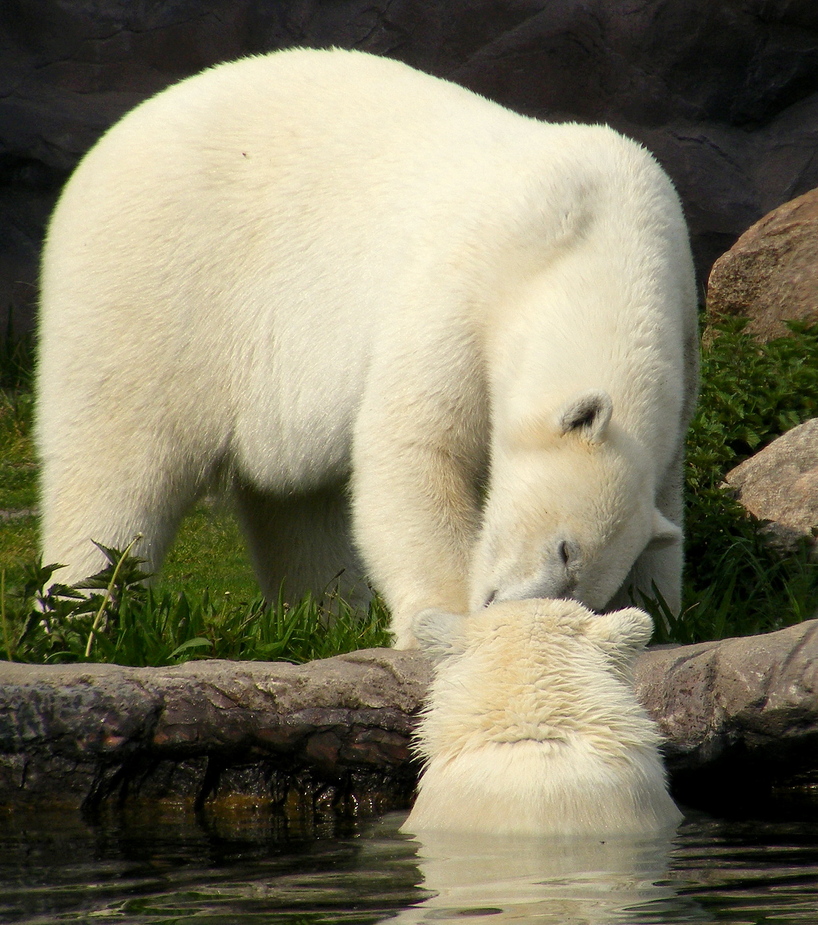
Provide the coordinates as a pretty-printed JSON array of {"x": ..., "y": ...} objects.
[
  {"x": 532, "y": 725},
  {"x": 569, "y": 510}
]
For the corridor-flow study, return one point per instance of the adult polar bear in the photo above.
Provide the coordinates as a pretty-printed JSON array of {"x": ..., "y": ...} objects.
[{"x": 332, "y": 282}]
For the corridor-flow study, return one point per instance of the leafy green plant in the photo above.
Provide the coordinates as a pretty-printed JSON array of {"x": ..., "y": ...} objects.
[
  {"x": 113, "y": 617},
  {"x": 751, "y": 393}
]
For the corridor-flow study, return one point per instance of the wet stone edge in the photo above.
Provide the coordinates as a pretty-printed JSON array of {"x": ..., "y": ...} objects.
[{"x": 739, "y": 717}]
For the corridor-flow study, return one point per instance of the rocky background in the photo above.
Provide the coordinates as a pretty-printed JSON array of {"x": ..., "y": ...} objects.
[
  {"x": 725, "y": 93},
  {"x": 770, "y": 276}
]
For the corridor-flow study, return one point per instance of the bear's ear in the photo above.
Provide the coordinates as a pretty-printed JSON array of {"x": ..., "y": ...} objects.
[
  {"x": 439, "y": 634},
  {"x": 630, "y": 628},
  {"x": 665, "y": 532},
  {"x": 587, "y": 415}
]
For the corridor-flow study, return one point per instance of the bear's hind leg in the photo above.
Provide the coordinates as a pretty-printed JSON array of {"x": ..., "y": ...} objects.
[
  {"x": 90, "y": 498},
  {"x": 302, "y": 541}
]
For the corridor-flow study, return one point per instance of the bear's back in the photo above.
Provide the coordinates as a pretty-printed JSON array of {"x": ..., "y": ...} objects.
[{"x": 284, "y": 218}]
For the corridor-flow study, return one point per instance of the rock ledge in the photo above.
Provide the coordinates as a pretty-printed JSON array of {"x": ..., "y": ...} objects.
[{"x": 336, "y": 733}]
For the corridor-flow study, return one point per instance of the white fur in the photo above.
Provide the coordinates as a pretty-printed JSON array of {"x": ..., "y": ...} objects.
[
  {"x": 532, "y": 725},
  {"x": 336, "y": 284}
]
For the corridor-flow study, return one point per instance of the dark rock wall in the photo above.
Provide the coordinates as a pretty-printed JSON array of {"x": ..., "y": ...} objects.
[{"x": 725, "y": 93}]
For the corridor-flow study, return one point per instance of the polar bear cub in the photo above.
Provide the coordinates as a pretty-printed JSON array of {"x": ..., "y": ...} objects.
[{"x": 532, "y": 725}]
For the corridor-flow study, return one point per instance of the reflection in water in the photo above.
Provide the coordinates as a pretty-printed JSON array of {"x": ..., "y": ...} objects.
[
  {"x": 245, "y": 866},
  {"x": 516, "y": 879}
]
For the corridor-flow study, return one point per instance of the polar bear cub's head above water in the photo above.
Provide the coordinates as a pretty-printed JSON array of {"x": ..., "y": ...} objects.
[{"x": 532, "y": 725}]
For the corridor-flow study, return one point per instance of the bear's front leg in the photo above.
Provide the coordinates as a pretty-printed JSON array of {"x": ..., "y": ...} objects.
[
  {"x": 415, "y": 523},
  {"x": 418, "y": 458}
]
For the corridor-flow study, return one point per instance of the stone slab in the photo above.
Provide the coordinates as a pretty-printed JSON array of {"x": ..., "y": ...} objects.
[{"x": 335, "y": 734}]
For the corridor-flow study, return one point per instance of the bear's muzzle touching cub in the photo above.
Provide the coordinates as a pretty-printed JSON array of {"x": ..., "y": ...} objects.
[{"x": 532, "y": 725}]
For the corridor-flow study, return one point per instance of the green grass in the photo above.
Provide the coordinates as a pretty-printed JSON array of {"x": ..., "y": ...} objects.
[
  {"x": 735, "y": 584},
  {"x": 205, "y": 602},
  {"x": 18, "y": 468},
  {"x": 18, "y": 483},
  {"x": 113, "y": 617},
  {"x": 209, "y": 554}
]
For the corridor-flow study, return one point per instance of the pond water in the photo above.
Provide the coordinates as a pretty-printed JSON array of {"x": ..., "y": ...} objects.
[{"x": 245, "y": 866}]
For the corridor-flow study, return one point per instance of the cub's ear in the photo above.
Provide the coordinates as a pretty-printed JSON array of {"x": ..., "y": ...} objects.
[
  {"x": 439, "y": 634},
  {"x": 630, "y": 628},
  {"x": 665, "y": 532},
  {"x": 587, "y": 415}
]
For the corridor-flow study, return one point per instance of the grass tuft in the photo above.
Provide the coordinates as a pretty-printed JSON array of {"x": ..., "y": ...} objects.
[{"x": 113, "y": 617}]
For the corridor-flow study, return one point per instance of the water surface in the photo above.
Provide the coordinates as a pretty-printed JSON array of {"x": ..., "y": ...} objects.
[{"x": 246, "y": 866}]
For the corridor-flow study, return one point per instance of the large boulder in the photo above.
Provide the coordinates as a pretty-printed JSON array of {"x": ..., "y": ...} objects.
[
  {"x": 736, "y": 713},
  {"x": 740, "y": 716},
  {"x": 780, "y": 484},
  {"x": 770, "y": 275},
  {"x": 726, "y": 94}
]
